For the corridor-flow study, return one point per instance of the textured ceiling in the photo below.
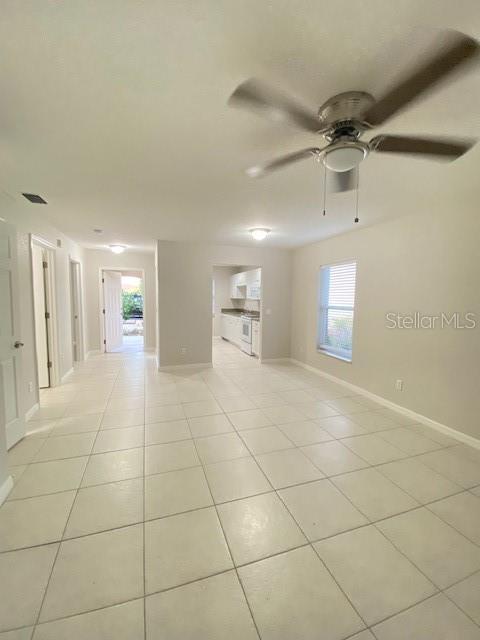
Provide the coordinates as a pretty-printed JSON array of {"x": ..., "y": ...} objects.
[{"x": 115, "y": 111}]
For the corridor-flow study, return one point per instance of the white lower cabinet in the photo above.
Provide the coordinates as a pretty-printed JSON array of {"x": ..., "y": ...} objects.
[
  {"x": 224, "y": 326},
  {"x": 232, "y": 328}
]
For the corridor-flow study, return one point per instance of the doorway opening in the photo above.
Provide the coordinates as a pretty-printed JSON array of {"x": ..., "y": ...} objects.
[
  {"x": 236, "y": 310},
  {"x": 78, "y": 350},
  {"x": 43, "y": 279},
  {"x": 123, "y": 310}
]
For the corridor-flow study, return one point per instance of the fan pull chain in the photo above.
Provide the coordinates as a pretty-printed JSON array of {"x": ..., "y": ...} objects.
[
  {"x": 324, "y": 188},
  {"x": 356, "y": 198}
]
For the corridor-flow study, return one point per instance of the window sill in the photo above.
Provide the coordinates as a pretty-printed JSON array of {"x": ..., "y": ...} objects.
[{"x": 330, "y": 354}]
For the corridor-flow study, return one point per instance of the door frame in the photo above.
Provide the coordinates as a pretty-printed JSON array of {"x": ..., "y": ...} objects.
[
  {"x": 80, "y": 347},
  {"x": 50, "y": 303},
  {"x": 101, "y": 315}
]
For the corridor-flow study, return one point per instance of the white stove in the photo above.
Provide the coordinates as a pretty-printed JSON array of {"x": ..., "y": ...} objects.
[{"x": 246, "y": 344}]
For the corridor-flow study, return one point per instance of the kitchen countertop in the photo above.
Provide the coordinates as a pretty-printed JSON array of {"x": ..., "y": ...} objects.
[{"x": 255, "y": 315}]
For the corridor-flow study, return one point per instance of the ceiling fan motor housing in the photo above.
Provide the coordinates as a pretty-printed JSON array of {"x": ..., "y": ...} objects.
[
  {"x": 341, "y": 115},
  {"x": 342, "y": 124}
]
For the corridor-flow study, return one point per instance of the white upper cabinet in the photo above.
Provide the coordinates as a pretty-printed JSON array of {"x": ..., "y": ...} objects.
[
  {"x": 238, "y": 286},
  {"x": 254, "y": 284},
  {"x": 246, "y": 284}
]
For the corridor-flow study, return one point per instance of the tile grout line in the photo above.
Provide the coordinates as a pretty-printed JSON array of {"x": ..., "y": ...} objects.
[
  {"x": 307, "y": 482},
  {"x": 227, "y": 543},
  {"x": 439, "y": 590},
  {"x": 253, "y": 457},
  {"x": 59, "y": 547},
  {"x": 217, "y": 573},
  {"x": 144, "y": 525},
  {"x": 310, "y": 544}
]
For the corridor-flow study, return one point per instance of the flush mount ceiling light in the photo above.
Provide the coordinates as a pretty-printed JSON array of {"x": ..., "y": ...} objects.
[
  {"x": 117, "y": 248},
  {"x": 259, "y": 233}
]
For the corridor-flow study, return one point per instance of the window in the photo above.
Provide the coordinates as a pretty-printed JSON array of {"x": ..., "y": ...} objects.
[{"x": 336, "y": 307}]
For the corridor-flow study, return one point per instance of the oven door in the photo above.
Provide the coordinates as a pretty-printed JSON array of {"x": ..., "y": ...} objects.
[{"x": 247, "y": 331}]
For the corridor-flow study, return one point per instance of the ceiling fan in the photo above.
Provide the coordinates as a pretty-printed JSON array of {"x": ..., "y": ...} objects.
[{"x": 345, "y": 117}]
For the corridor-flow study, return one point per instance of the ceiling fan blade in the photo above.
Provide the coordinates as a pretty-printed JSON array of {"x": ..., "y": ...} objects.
[
  {"x": 342, "y": 181},
  {"x": 453, "y": 51},
  {"x": 258, "y": 171},
  {"x": 439, "y": 148},
  {"x": 254, "y": 95}
]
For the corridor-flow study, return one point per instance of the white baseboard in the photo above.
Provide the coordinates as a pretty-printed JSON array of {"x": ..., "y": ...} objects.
[
  {"x": 418, "y": 417},
  {"x": 93, "y": 352},
  {"x": 195, "y": 365},
  {"x": 31, "y": 412},
  {"x": 5, "y": 488},
  {"x": 65, "y": 377}
]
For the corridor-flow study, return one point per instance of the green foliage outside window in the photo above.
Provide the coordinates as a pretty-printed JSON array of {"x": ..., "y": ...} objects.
[{"x": 132, "y": 304}]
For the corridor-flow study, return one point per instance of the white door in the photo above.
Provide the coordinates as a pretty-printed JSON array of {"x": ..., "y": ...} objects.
[
  {"x": 12, "y": 423},
  {"x": 41, "y": 338},
  {"x": 77, "y": 346},
  {"x": 112, "y": 296}
]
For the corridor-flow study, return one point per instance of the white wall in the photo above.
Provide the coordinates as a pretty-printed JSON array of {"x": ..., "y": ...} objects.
[
  {"x": 427, "y": 263},
  {"x": 28, "y": 218},
  {"x": 185, "y": 305},
  {"x": 221, "y": 276},
  {"x": 95, "y": 260}
]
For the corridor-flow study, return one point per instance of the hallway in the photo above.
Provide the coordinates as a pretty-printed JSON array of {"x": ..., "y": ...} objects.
[{"x": 242, "y": 501}]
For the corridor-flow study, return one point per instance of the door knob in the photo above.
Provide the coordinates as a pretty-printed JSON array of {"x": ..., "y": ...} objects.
[{"x": 18, "y": 344}]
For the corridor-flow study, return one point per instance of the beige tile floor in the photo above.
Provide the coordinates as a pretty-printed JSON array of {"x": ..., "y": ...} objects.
[{"x": 242, "y": 501}]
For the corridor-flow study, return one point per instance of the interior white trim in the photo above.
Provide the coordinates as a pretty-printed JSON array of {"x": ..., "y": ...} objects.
[
  {"x": 66, "y": 375},
  {"x": 51, "y": 295},
  {"x": 42, "y": 241},
  {"x": 14, "y": 433},
  {"x": 31, "y": 412},
  {"x": 5, "y": 489},
  {"x": 81, "y": 311},
  {"x": 195, "y": 365},
  {"x": 92, "y": 352},
  {"x": 438, "y": 426},
  {"x": 102, "y": 303}
]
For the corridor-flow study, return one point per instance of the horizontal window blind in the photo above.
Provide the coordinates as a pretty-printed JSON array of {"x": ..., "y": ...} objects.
[{"x": 336, "y": 308}]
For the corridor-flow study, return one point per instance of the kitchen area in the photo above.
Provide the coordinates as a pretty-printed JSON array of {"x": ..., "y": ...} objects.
[{"x": 236, "y": 293}]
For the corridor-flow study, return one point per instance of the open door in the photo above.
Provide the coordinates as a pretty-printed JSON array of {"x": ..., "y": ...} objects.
[
  {"x": 76, "y": 310},
  {"x": 112, "y": 300},
  {"x": 12, "y": 424},
  {"x": 39, "y": 262}
]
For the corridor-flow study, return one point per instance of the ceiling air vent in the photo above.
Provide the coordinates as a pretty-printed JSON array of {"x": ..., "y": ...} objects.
[{"x": 33, "y": 197}]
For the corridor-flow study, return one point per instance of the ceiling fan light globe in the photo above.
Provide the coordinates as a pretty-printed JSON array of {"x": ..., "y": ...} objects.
[{"x": 344, "y": 158}]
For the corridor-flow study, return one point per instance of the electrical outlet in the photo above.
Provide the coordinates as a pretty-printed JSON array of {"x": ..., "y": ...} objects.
[
  {"x": 183, "y": 350},
  {"x": 30, "y": 387},
  {"x": 399, "y": 385}
]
